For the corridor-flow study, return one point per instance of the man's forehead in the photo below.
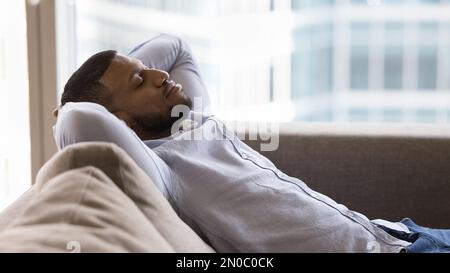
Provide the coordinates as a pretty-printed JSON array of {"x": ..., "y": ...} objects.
[
  {"x": 118, "y": 70},
  {"x": 125, "y": 60},
  {"x": 120, "y": 59}
]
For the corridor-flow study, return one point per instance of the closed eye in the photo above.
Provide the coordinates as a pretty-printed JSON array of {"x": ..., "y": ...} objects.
[{"x": 139, "y": 81}]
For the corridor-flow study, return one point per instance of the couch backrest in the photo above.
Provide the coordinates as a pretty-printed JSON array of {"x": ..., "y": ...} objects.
[{"x": 382, "y": 171}]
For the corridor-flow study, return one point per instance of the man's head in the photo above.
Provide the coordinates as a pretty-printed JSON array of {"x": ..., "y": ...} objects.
[{"x": 143, "y": 97}]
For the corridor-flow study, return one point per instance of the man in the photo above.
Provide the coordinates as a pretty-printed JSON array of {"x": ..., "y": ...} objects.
[{"x": 231, "y": 195}]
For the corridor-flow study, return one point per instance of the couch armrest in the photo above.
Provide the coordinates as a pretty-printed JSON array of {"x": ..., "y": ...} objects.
[{"x": 382, "y": 171}]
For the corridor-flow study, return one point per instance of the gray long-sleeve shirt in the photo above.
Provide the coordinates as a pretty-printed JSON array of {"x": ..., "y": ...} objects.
[
  {"x": 230, "y": 194},
  {"x": 240, "y": 201}
]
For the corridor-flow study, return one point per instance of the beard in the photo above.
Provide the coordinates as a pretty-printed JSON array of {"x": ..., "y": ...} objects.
[{"x": 160, "y": 122}]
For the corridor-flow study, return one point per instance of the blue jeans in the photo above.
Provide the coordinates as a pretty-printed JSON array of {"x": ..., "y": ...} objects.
[{"x": 424, "y": 240}]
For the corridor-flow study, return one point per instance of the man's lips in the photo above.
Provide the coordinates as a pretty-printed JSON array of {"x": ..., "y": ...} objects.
[{"x": 172, "y": 88}]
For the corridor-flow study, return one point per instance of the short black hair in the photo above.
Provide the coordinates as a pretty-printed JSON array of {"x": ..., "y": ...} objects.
[{"x": 84, "y": 85}]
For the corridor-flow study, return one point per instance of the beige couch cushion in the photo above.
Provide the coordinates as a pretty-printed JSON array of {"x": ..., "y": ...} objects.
[
  {"x": 81, "y": 210},
  {"x": 16, "y": 208},
  {"x": 110, "y": 207}
]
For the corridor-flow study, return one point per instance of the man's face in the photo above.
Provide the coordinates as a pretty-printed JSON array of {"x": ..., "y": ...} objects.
[{"x": 142, "y": 96}]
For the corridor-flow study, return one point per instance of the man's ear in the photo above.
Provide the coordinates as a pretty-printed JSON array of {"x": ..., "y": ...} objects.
[{"x": 55, "y": 113}]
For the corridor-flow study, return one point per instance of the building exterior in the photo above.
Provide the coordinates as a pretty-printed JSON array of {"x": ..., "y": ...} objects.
[{"x": 291, "y": 60}]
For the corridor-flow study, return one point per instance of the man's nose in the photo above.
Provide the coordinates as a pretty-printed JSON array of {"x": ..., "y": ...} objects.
[{"x": 158, "y": 77}]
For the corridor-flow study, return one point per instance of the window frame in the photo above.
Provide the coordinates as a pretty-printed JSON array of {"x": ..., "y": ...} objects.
[{"x": 42, "y": 73}]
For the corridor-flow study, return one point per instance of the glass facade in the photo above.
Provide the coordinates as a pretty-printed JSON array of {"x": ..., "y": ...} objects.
[
  {"x": 292, "y": 60},
  {"x": 393, "y": 55}
]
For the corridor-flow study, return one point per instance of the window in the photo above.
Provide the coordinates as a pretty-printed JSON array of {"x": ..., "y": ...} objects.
[
  {"x": 426, "y": 115},
  {"x": 287, "y": 60},
  {"x": 393, "y": 68},
  {"x": 301, "y": 64},
  {"x": 427, "y": 68},
  {"x": 301, "y": 4},
  {"x": 428, "y": 58},
  {"x": 392, "y": 115},
  {"x": 359, "y": 71},
  {"x": 359, "y": 67},
  {"x": 359, "y": 114},
  {"x": 312, "y": 61},
  {"x": 15, "y": 165},
  {"x": 393, "y": 58}
]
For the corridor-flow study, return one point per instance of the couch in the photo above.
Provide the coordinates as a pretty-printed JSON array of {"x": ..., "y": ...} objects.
[{"x": 91, "y": 197}]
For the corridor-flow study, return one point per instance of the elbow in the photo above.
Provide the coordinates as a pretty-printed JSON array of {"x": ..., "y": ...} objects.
[{"x": 79, "y": 124}]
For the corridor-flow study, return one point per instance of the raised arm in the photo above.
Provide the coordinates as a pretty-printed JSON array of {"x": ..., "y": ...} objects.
[
  {"x": 172, "y": 54},
  {"x": 90, "y": 122}
]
